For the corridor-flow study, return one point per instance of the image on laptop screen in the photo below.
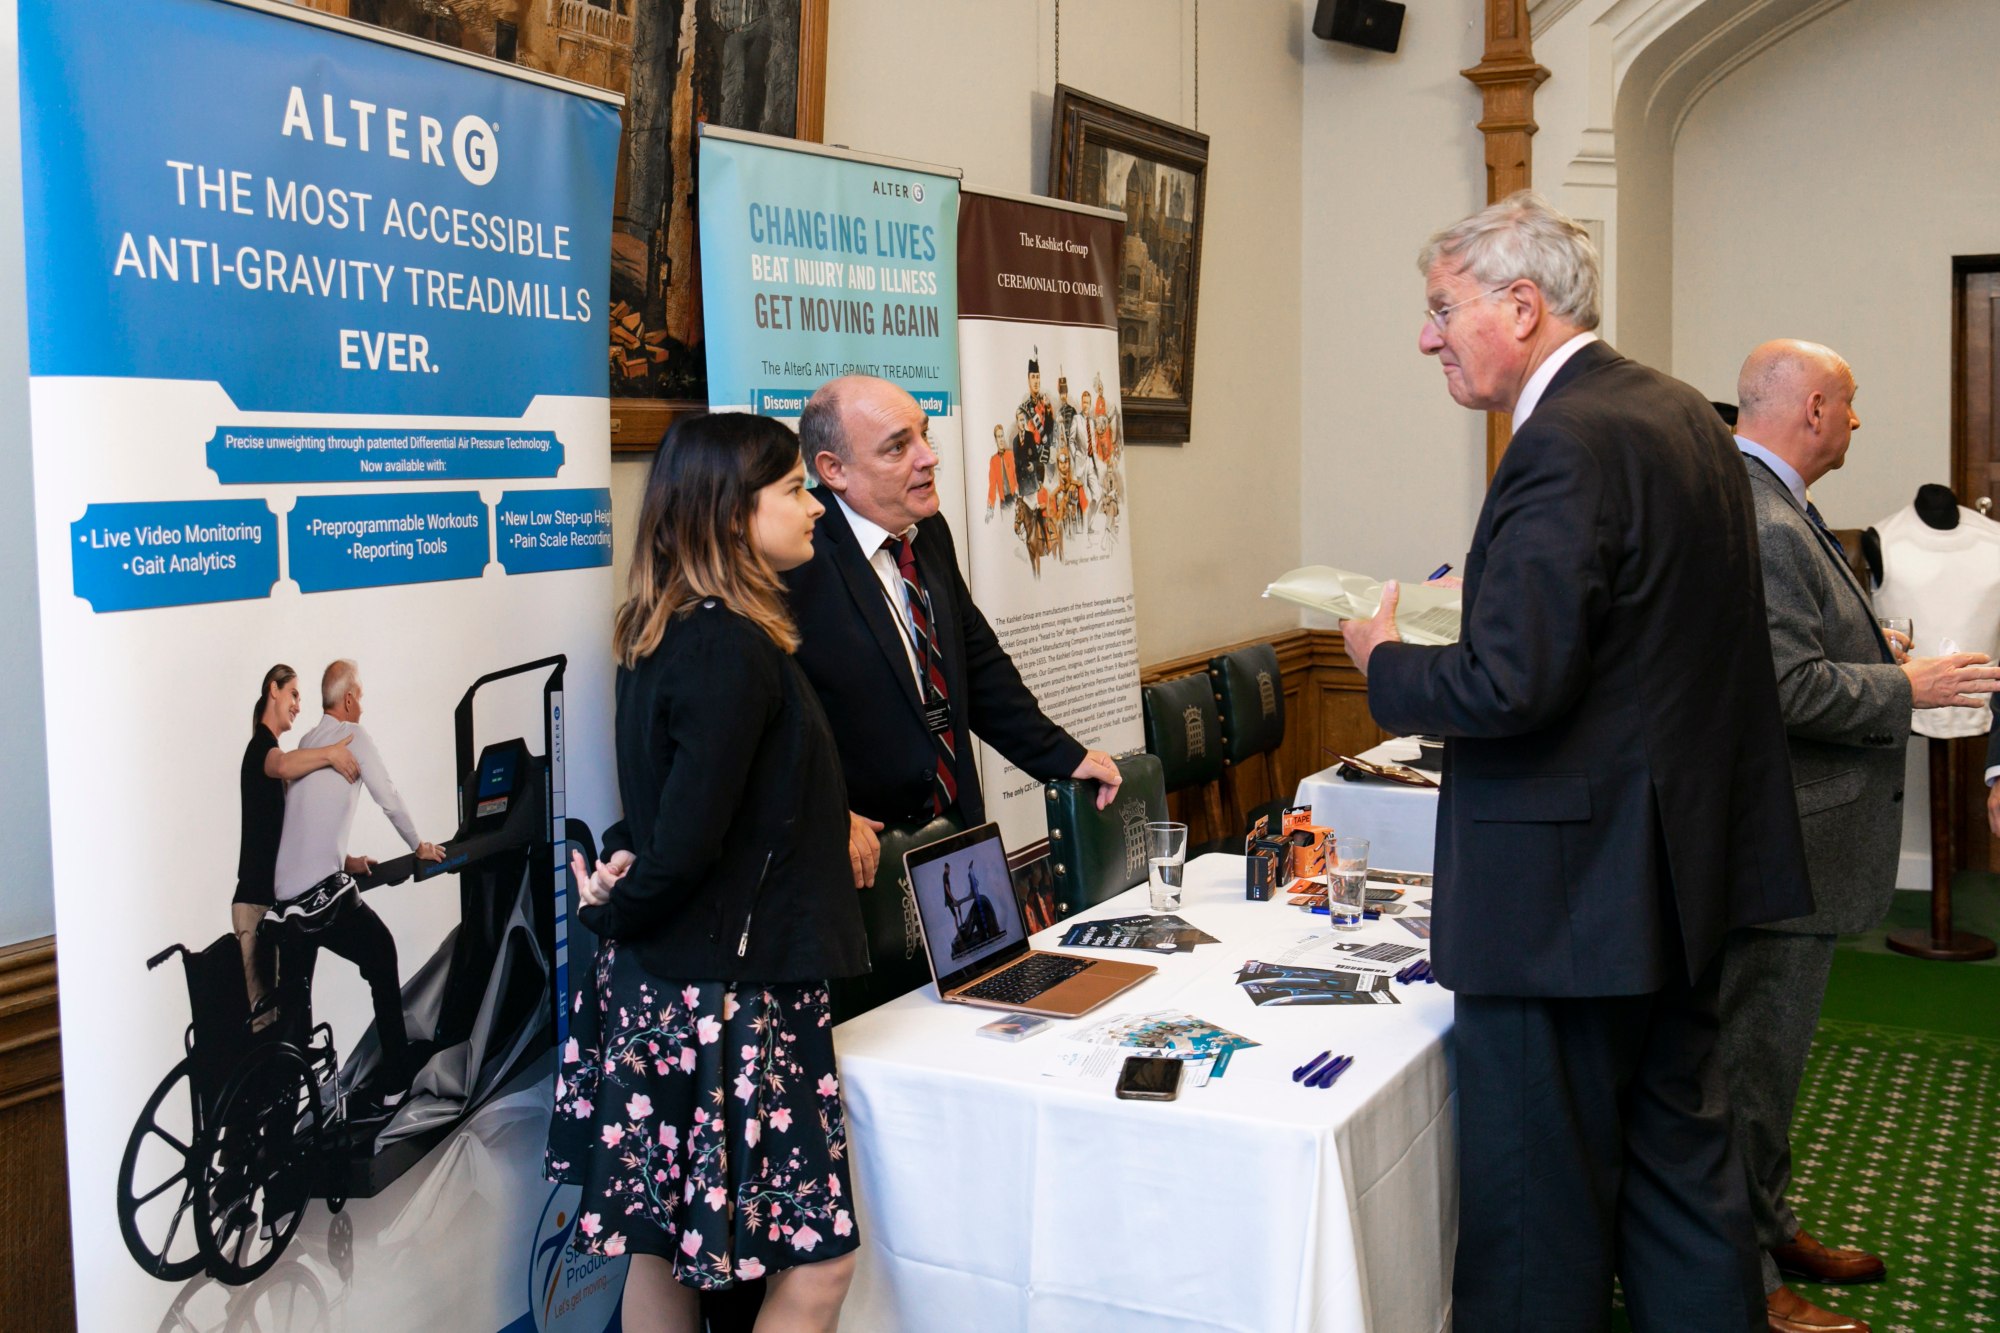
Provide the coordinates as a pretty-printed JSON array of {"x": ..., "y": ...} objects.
[{"x": 968, "y": 905}]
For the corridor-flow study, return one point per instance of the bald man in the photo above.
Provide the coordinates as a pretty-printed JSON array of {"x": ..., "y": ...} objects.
[
  {"x": 1846, "y": 694},
  {"x": 906, "y": 666}
]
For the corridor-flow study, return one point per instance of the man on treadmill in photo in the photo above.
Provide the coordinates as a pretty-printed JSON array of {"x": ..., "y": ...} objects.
[{"x": 315, "y": 887}]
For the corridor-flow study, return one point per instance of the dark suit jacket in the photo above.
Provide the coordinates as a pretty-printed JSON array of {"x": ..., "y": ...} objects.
[
  {"x": 1617, "y": 793},
  {"x": 1847, "y": 710},
  {"x": 851, "y": 649}
]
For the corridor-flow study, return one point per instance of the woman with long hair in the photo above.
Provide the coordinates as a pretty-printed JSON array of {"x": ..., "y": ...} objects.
[
  {"x": 697, "y": 1105},
  {"x": 261, "y": 779}
]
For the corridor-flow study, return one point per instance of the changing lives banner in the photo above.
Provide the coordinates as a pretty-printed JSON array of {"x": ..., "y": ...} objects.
[
  {"x": 820, "y": 263},
  {"x": 1048, "y": 532},
  {"x": 317, "y": 375}
]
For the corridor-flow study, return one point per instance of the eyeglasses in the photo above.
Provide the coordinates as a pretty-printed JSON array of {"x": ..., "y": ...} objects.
[{"x": 1442, "y": 317}]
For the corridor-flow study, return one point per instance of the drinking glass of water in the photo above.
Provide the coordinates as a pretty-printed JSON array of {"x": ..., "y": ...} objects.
[
  {"x": 1166, "y": 862},
  {"x": 1347, "y": 882},
  {"x": 1901, "y": 633}
]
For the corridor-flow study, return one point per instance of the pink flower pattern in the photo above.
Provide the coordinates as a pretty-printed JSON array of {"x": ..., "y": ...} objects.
[{"x": 680, "y": 1111}]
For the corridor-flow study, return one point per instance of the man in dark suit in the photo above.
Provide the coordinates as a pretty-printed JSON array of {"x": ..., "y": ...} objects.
[
  {"x": 907, "y": 667},
  {"x": 1846, "y": 699},
  {"x": 1616, "y": 799}
]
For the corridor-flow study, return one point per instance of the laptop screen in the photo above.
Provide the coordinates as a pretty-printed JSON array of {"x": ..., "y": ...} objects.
[{"x": 966, "y": 899}]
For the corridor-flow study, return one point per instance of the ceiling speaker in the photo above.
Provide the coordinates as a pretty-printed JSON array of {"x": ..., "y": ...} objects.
[{"x": 1375, "y": 24}]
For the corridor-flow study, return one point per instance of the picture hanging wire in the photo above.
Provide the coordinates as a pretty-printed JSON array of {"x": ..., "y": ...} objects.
[{"x": 1197, "y": 56}]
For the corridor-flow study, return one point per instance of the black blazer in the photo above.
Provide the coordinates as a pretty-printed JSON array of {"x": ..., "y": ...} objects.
[
  {"x": 853, "y": 654},
  {"x": 1617, "y": 793},
  {"x": 735, "y": 811}
]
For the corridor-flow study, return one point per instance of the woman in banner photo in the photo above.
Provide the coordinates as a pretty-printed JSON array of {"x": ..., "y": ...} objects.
[
  {"x": 697, "y": 1104},
  {"x": 262, "y": 777}
]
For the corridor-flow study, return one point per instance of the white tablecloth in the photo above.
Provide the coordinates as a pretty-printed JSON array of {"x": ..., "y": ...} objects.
[
  {"x": 1399, "y": 822},
  {"x": 994, "y": 1197}
]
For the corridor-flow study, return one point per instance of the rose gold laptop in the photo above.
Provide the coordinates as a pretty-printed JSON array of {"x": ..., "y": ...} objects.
[{"x": 976, "y": 935}]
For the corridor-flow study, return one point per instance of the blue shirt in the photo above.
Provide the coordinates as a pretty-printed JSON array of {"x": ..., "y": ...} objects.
[{"x": 1786, "y": 472}]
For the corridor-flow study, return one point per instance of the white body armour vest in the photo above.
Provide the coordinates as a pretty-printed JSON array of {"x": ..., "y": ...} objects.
[{"x": 1948, "y": 585}]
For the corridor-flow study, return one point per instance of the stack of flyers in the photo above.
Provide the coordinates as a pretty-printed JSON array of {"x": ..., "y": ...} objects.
[
  {"x": 1161, "y": 934},
  {"x": 1274, "y": 983},
  {"x": 1167, "y": 1030},
  {"x": 1408, "y": 878},
  {"x": 1420, "y": 928}
]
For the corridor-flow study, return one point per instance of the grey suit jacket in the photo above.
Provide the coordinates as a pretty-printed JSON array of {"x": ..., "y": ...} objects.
[{"x": 1847, "y": 713}]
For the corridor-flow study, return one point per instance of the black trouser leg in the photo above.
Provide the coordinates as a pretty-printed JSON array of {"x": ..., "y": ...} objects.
[
  {"x": 1687, "y": 1255},
  {"x": 362, "y": 939},
  {"x": 1593, "y": 1139}
]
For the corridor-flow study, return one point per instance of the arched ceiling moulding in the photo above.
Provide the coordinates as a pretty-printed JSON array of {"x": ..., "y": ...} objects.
[{"x": 1648, "y": 63}]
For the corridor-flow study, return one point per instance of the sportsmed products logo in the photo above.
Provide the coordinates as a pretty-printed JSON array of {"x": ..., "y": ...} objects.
[
  {"x": 366, "y": 127},
  {"x": 570, "y": 1292}
]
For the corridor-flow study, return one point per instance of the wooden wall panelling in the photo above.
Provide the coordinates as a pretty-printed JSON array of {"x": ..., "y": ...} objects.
[{"x": 34, "y": 1181}]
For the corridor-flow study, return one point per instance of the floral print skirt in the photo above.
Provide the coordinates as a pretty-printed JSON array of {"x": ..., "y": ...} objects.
[{"x": 702, "y": 1120}]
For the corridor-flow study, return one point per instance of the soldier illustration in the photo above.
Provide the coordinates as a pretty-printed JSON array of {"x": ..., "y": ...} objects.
[{"x": 1001, "y": 487}]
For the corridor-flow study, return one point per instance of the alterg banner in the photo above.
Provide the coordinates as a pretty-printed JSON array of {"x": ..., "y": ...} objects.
[
  {"x": 320, "y": 459},
  {"x": 1048, "y": 530},
  {"x": 817, "y": 263}
]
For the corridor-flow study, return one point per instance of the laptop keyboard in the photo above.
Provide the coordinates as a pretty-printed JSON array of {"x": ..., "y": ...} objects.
[{"x": 1027, "y": 978}]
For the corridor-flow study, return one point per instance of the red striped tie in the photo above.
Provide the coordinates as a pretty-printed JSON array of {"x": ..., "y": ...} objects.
[{"x": 944, "y": 792}]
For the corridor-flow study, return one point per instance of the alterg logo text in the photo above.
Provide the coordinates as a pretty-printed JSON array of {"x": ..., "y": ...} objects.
[{"x": 367, "y": 127}]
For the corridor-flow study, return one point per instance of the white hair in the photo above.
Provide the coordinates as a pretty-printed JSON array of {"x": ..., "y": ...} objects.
[
  {"x": 1523, "y": 236},
  {"x": 336, "y": 682}
]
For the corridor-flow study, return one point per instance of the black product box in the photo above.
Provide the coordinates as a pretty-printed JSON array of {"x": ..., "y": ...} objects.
[{"x": 1267, "y": 862}]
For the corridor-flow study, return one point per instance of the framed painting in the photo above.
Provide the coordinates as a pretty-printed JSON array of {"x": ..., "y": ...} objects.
[
  {"x": 748, "y": 64},
  {"x": 1114, "y": 157}
]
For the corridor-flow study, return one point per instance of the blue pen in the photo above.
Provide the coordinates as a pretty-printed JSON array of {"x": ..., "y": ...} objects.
[
  {"x": 1439, "y": 572},
  {"x": 1325, "y": 1077},
  {"x": 1310, "y": 1067}
]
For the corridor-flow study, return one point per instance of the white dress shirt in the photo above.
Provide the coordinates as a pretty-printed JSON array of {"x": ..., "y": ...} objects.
[
  {"x": 319, "y": 810},
  {"x": 870, "y": 536},
  {"x": 1538, "y": 383}
]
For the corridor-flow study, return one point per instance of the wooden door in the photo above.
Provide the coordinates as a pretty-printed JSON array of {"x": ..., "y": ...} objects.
[{"x": 1975, "y": 479}]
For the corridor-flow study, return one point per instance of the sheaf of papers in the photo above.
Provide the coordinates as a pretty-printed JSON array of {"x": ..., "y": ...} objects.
[
  {"x": 1095, "y": 1051},
  {"x": 1425, "y": 613}
]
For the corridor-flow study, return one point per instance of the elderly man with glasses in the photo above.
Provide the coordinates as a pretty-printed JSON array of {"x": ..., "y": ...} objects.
[{"x": 1617, "y": 797}]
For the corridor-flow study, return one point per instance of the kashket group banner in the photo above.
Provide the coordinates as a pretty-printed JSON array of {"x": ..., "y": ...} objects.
[
  {"x": 818, "y": 264},
  {"x": 317, "y": 376},
  {"x": 1048, "y": 531}
]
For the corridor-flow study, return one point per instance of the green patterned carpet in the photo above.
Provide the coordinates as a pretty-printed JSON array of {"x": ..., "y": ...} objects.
[
  {"x": 1897, "y": 1150},
  {"x": 1896, "y": 1146}
]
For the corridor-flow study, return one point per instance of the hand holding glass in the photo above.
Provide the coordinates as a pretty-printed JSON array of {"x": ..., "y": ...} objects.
[
  {"x": 1166, "y": 863},
  {"x": 1347, "y": 882},
  {"x": 1900, "y": 633}
]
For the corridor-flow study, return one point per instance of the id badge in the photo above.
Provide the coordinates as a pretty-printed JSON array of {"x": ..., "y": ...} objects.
[{"x": 937, "y": 717}]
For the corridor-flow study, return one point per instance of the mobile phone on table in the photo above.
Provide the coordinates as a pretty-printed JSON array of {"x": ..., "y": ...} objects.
[{"x": 1149, "y": 1079}]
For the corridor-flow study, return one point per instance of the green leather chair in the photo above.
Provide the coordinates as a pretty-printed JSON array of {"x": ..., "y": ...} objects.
[
  {"x": 1098, "y": 854},
  {"x": 1250, "y": 697},
  {"x": 889, "y": 914},
  {"x": 1184, "y": 729}
]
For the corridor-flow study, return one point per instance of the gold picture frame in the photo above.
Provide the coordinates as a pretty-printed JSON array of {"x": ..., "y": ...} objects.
[{"x": 1110, "y": 156}]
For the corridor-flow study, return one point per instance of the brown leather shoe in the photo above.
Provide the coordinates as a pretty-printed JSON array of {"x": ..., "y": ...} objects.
[
  {"x": 1785, "y": 1311},
  {"x": 1807, "y": 1258}
]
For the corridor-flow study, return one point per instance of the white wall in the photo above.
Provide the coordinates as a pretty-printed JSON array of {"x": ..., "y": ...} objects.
[
  {"x": 1391, "y": 471},
  {"x": 1808, "y": 207},
  {"x": 971, "y": 86}
]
